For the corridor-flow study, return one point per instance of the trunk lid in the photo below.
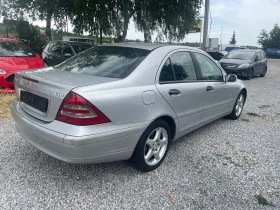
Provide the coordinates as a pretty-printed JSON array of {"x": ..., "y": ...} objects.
[{"x": 41, "y": 92}]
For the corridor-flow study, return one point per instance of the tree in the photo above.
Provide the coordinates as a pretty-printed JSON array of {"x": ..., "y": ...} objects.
[
  {"x": 38, "y": 9},
  {"x": 121, "y": 12},
  {"x": 172, "y": 18},
  {"x": 270, "y": 39},
  {"x": 92, "y": 16},
  {"x": 233, "y": 40}
]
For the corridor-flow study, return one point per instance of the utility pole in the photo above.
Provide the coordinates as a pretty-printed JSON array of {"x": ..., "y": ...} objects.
[
  {"x": 221, "y": 39},
  {"x": 205, "y": 27}
]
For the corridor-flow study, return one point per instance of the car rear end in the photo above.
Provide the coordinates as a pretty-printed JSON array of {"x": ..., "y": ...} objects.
[{"x": 53, "y": 114}]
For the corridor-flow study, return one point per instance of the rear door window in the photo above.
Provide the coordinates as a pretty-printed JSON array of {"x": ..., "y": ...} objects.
[
  {"x": 167, "y": 74},
  {"x": 210, "y": 71},
  {"x": 56, "y": 48},
  {"x": 80, "y": 47},
  {"x": 179, "y": 67},
  {"x": 66, "y": 49}
]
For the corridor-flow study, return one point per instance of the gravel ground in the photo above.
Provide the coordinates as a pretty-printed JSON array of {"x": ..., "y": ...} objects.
[{"x": 224, "y": 165}]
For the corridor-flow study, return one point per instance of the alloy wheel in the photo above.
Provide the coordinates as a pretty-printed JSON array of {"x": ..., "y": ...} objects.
[
  {"x": 239, "y": 105},
  {"x": 156, "y": 146}
]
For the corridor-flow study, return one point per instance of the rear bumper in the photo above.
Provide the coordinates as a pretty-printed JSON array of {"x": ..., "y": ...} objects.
[{"x": 101, "y": 147}]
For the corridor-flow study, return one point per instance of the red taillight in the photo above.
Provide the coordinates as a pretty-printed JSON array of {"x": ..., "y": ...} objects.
[{"x": 77, "y": 110}]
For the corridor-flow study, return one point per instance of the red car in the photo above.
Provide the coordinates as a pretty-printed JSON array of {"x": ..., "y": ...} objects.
[{"x": 14, "y": 57}]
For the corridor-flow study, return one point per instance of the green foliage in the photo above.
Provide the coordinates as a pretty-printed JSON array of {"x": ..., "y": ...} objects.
[
  {"x": 30, "y": 35},
  {"x": 38, "y": 9},
  {"x": 233, "y": 39},
  {"x": 270, "y": 39},
  {"x": 35, "y": 41},
  {"x": 172, "y": 19}
]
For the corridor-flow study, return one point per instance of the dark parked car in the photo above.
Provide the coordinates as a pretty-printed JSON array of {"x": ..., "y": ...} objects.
[
  {"x": 245, "y": 63},
  {"x": 273, "y": 53},
  {"x": 58, "y": 51},
  {"x": 217, "y": 55}
]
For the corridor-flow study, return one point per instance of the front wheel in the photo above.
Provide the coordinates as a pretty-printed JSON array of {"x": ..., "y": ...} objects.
[
  {"x": 250, "y": 74},
  {"x": 264, "y": 73},
  {"x": 152, "y": 147},
  {"x": 238, "y": 106}
]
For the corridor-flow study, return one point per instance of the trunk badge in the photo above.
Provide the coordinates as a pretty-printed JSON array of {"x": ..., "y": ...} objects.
[{"x": 60, "y": 95}]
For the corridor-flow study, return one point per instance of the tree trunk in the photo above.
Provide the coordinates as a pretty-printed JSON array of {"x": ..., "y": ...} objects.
[
  {"x": 121, "y": 33},
  {"x": 117, "y": 26},
  {"x": 147, "y": 24},
  {"x": 125, "y": 28},
  {"x": 147, "y": 32},
  {"x": 100, "y": 35},
  {"x": 48, "y": 32}
]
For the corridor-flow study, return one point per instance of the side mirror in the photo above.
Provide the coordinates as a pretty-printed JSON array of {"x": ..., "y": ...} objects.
[
  {"x": 67, "y": 55},
  {"x": 231, "y": 78}
]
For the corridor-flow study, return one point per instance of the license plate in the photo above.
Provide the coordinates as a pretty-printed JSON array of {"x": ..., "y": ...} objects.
[{"x": 34, "y": 101}]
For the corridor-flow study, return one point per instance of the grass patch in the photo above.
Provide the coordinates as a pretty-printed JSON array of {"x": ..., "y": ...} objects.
[
  {"x": 5, "y": 101},
  {"x": 264, "y": 106},
  {"x": 253, "y": 114},
  {"x": 263, "y": 201}
]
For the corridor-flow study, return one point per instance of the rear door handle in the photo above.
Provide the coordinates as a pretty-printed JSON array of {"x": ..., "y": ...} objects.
[
  {"x": 174, "y": 92},
  {"x": 209, "y": 88}
]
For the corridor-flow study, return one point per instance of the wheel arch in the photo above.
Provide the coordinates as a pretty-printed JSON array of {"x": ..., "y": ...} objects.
[
  {"x": 245, "y": 92},
  {"x": 171, "y": 122}
]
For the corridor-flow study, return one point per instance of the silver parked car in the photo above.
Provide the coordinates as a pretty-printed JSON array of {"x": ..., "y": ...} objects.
[{"x": 123, "y": 101}]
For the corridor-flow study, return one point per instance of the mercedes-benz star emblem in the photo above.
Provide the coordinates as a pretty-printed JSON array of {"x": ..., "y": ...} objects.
[{"x": 29, "y": 84}]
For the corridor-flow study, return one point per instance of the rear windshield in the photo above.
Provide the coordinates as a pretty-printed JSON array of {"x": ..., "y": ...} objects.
[
  {"x": 80, "y": 47},
  {"x": 13, "y": 49},
  {"x": 242, "y": 55},
  {"x": 105, "y": 61}
]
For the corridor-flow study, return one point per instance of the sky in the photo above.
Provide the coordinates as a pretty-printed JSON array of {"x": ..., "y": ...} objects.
[{"x": 246, "y": 17}]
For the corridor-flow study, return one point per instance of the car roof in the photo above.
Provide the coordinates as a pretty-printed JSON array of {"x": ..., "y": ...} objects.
[
  {"x": 138, "y": 45},
  {"x": 73, "y": 42},
  {"x": 148, "y": 46}
]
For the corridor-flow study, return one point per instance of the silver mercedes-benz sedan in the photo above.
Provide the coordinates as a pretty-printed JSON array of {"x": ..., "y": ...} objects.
[{"x": 123, "y": 101}]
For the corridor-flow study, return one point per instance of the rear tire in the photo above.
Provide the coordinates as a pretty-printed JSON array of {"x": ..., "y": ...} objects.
[
  {"x": 152, "y": 147},
  {"x": 238, "y": 106}
]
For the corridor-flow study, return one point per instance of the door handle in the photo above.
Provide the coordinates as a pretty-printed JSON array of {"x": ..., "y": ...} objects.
[
  {"x": 209, "y": 88},
  {"x": 174, "y": 92}
]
